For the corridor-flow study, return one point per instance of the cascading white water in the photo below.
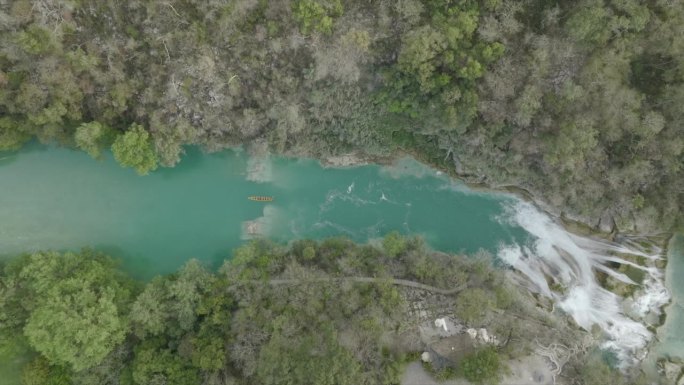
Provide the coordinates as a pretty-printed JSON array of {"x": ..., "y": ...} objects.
[{"x": 571, "y": 261}]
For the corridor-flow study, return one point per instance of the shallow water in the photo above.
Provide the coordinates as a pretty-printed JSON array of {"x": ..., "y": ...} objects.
[{"x": 671, "y": 334}]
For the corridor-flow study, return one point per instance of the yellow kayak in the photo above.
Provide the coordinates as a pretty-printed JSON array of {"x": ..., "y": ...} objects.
[{"x": 260, "y": 198}]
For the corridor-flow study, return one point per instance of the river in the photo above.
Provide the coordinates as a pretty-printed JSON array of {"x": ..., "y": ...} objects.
[
  {"x": 56, "y": 198},
  {"x": 60, "y": 199}
]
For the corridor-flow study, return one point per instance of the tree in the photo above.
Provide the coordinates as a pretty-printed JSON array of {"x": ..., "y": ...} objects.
[
  {"x": 76, "y": 326},
  {"x": 134, "y": 149},
  {"x": 187, "y": 290},
  {"x": 149, "y": 312},
  {"x": 472, "y": 305},
  {"x": 316, "y": 15},
  {"x": 482, "y": 366},
  {"x": 307, "y": 359},
  {"x": 590, "y": 24},
  {"x": 92, "y": 137},
  {"x": 169, "y": 306},
  {"x": 156, "y": 365},
  {"x": 75, "y": 304},
  {"x": 40, "y": 372},
  {"x": 13, "y": 134},
  {"x": 394, "y": 244}
]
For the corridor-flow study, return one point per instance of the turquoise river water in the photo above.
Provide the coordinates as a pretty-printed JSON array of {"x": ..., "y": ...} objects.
[{"x": 55, "y": 198}]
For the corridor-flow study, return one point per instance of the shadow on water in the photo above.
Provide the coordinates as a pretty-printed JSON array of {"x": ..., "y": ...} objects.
[
  {"x": 192, "y": 160},
  {"x": 9, "y": 157},
  {"x": 219, "y": 257},
  {"x": 144, "y": 268},
  {"x": 138, "y": 266}
]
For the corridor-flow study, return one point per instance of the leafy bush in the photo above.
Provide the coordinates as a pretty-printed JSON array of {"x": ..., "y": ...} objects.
[
  {"x": 316, "y": 15},
  {"x": 473, "y": 304},
  {"x": 483, "y": 366},
  {"x": 134, "y": 149}
]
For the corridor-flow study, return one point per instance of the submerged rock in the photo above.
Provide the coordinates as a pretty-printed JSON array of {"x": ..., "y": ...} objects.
[{"x": 672, "y": 371}]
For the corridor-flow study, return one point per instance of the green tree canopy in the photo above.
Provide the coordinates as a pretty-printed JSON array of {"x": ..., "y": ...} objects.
[
  {"x": 76, "y": 305},
  {"x": 308, "y": 359},
  {"x": 40, "y": 372},
  {"x": 92, "y": 137},
  {"x": 483, "y": 366},
  {"x": 472, "y": 305},
  {"x": 134, "y": 149},
  {"x": 170, "y": 305},
  {"x": 156, "y": 365},
  {"x": 394, "y": 244}
]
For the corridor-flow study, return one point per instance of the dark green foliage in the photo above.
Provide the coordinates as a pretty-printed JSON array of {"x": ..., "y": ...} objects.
[
  {"x": 40, "y": 372},
  {"x": 649, "y": 73},
  {"x": 156, "y": 365},
  {"x": 438, "y": 66},
  {"x": 316, "y": 15}
]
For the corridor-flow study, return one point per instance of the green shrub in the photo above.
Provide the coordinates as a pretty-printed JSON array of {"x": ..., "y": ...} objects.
[{"x": 483, "y": 366}]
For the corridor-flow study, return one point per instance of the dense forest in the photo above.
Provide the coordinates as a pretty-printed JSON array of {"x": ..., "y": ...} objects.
[
  {"x": 328, "y": 312},
  {"x": 577, "y": 101}
]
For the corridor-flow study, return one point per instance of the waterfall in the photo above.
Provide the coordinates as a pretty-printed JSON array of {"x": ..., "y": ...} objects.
[{"x": 555, "y": 255}]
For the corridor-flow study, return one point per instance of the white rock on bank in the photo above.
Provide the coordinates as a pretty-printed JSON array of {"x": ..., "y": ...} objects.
[
  {"x": 441, "y": 323},
  {"x": 484, "y": 336},
  {"x": 472, "y": 333}
]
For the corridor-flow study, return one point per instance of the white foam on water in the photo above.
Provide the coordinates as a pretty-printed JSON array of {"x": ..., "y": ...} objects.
[
  {"x": 262, "y": 226},
  {"x": 260, "y": 169},
  {"x": 571, "y": 261},
  {"x": 336, "y": 195},
  {"x": 350, "y": 188},
  {"x": 655, "y": 294}
]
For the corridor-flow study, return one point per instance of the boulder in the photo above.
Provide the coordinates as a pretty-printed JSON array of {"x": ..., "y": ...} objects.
[
  {"x": 606, "y": 223},
  {"x": 671, "y": 371},
  {"x": 483, "y": 335},
  {"x": 441, "y": 323},
  {"x": 472, "y": 333}
]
